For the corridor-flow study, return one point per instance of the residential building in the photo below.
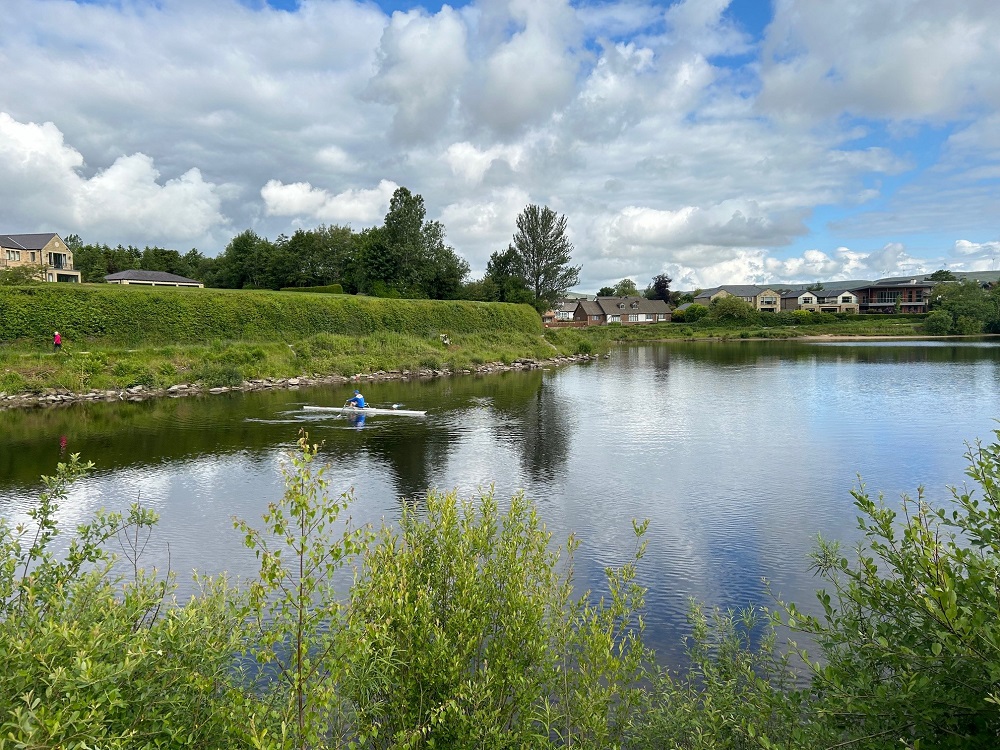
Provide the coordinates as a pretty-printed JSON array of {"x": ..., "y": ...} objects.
[
  {"x": 45, "y": 254},
  {"x": 151, "y": 278},
  {"x": 912, "y": 294},
  {"x": 624, "y": 310},
  {"x": 837, "y": 301},
  {"x": 763, "y": 299},
  {"x": 820, "y": 300},
  {"x": 799, "y": 299}
]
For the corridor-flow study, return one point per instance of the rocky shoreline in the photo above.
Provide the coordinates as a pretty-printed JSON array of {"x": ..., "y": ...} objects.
[{"x": 53, "y": 397}]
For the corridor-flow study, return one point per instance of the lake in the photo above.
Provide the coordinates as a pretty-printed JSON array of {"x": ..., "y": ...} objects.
[{"x": 739, "y": 453}]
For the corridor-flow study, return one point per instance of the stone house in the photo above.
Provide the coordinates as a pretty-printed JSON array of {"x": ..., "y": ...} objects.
[{"x": 45, "y": 254}]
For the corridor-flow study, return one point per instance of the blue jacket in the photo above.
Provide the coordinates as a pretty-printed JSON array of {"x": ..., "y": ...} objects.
[{"x": 358, "y": 401}]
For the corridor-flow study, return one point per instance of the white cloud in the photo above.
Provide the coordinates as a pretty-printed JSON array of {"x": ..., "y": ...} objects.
[
  {"x": 975, "y": 256},
  {"x": 669, "y": 136},
  {"x": 910, "y": 59},
  {"x": 43, "y": 189},
  {"x": 303, "y": 201},
  {"x": 422, "y": 62}
]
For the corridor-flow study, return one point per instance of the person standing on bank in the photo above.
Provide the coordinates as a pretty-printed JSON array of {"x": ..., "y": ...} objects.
[
  {"x": 358, "y": 400},
  {"x": 56, "y": 342}
]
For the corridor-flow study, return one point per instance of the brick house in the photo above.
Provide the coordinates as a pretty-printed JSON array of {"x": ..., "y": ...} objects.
[
  {"x": 763, "y": 299},
  {"x": 624, "y": 310},
  {"x": 45, "y": 254}
]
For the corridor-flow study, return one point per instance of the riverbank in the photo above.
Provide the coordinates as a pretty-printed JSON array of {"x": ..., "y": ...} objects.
[{"x": 54, "y": 397}]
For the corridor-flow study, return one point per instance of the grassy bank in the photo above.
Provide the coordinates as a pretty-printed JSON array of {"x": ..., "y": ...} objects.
[
  {"x": 145, "y": 316},
  {"x": 119, "y": 337}
]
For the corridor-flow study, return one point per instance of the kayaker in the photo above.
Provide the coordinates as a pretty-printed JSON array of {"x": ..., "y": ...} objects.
[{"x": 358, "y": 400}]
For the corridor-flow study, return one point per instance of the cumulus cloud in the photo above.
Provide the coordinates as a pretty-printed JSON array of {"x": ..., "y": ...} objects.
[
  {"x": 975, "y": 256},
  {"x": 43, "y": 189},
  {"x": 422, "y": 61},
  {"x": 880, "y": 59},
  {"x": 303, "y": 201},
  {"x": 672, "y": 136}
]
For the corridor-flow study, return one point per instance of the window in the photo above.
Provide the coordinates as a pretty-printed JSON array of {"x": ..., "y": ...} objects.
[
  {"x": 621, "y": 305},
  {"x": 633, "y": 318},
  {"x": 595, "y": 317},
  {"x": 635, "y": 305},
  {"x": 884, "y": 296},
  {"x": 845, "y": 300},
  {"x": 808, "y": 301},
  {"x": 13, "y": 255},
  {"x": 614, "y": 318},
  {"x": 650, "y": 316}
]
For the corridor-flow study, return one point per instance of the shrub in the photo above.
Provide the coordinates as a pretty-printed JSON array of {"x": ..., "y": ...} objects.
[
  {"x": 938, "y": 323},
  {"x": 470, "y": 622},
  {"x": 910, "y": 633},
  {"x": 92, "y": 660}
]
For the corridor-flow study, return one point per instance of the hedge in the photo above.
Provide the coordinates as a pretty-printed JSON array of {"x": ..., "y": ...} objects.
[
  {"x": 328, "y": 289},
  {"x": 159, "y": 315}
]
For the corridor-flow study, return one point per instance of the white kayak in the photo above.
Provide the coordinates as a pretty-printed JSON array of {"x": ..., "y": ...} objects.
[{"x": 366, "y": 410}]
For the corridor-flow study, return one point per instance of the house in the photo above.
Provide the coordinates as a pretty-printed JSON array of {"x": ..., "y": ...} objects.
[
  {"x": 820, "y": 300},
  {"x": 45, "y": 254},
  {"x": 151, "y": 278},
  {"x": 799, "y": 299},
  {"x": 837, "y": 301},
  {"x": 912, "y": 294},
  {"x": 763, "y": 299},
  {"x": 624, "y": 310}
]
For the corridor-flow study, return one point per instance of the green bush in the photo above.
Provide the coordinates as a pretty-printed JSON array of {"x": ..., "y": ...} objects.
[
  {"x": 938, "y": 323},
  {"x": 93, "y": 660},
  {"x": 328, "y": 289},
  {"x": 130, "y": 315}
]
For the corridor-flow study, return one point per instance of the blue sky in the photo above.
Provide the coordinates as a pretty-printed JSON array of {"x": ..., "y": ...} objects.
[{"x": 717, "y": 141}]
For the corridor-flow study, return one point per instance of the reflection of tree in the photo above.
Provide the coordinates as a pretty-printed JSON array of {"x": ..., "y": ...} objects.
[{"x": 533, "y": 419}]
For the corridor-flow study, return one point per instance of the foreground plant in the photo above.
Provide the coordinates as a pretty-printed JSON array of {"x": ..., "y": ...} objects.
[
  {"x": 300, "y": 642},
  {"x": 469, "y": 624},
  {"x": 93, "y": 660},
  {"x": 910, "y": 633}
]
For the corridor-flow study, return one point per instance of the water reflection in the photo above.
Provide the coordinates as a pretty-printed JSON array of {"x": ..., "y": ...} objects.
[{"x": 738, "y": 452}]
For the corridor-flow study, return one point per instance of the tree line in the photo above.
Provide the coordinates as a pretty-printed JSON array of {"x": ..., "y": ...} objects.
[{"x": 407, "y": 256}]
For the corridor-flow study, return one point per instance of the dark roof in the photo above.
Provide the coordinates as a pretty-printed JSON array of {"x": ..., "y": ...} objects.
[
  {"x": 737, "y": 290},
  {"x": 609, "y": 305},
  {"x": 161, "y": 276},
  {"x": 26, "y": 241},
  {"x": 796, "y": 293},
  {"x": 828, "y": 293},
  {"x": 590, "y": 307}
]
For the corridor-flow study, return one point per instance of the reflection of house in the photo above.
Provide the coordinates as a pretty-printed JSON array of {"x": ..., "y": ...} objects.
[
  {"x": 624, "y": 310},
  {"x": 44, "y": 254},
  {"x": 881, "y": 297},
  {"x": 150, "y": 278},
  {"x": 763, "y": 299}
]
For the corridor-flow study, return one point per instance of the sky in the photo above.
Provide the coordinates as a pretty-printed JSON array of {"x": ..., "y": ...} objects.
[{"x": 716, "y": 141}]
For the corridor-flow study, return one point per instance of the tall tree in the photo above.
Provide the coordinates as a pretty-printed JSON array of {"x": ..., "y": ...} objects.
[
  {"x": 606, "y": 291},
  {"x": 543, "y": 252},
  {"x": 659, "y": 288},
  {"x": 626, "y": 288},
  {"x": 503, "y": 281}
]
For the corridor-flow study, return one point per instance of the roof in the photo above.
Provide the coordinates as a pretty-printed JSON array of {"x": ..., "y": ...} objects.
[
  {"x": 828, "y": 293},
  {"x": 161, "y": 276},
  {"x": 796, "y": 293},
  {"x": 590, "y": 307},
  {"x": 26, "y": 241},
  {"x": 609, "y": 305},
  {"x": 737, "y": 290},
  {"x": 909, "y": 281}
]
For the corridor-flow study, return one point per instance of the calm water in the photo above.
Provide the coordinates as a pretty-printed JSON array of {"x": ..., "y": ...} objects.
[{"x": 738, "y": 453}]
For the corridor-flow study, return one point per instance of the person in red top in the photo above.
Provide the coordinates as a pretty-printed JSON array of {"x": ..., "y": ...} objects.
[{"x": 57, "y": 342}]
